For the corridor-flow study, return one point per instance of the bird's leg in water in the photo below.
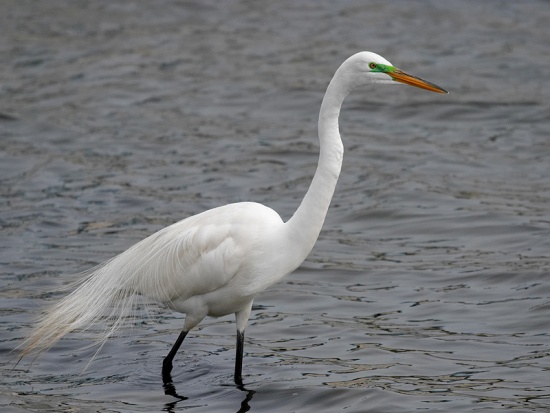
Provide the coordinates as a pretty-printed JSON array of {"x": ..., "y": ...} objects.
[
  {"x": 239, "y": 358},
  {"x": 167, "y": 362}
]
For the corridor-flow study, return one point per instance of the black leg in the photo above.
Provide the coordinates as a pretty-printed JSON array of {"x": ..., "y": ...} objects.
[
  {"x": 167, "y": 362},
  {"x": 239, "y": 358}
]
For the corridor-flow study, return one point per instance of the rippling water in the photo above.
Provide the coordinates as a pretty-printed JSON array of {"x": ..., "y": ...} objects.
[{"x": 428, "y": 289}]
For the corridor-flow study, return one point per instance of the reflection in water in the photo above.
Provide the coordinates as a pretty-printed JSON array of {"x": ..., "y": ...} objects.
[
  {"x": 170, "y": 390},
  {"x": 244, "y": 404}
]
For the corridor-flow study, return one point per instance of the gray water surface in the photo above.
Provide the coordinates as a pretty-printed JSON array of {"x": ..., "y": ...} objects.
[{"x": 428, "y": 289}]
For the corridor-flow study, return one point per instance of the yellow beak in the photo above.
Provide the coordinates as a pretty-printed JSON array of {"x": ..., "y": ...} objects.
[{"x": 400, "y": 76}]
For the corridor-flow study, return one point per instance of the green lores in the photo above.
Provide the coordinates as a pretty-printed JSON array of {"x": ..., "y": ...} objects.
[
  {"x": 380, "y": 67},
  {"x": 400, "y": 76}
]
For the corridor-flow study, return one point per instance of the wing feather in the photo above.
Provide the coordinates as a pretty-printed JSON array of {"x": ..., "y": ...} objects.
[{"x": 191, "y": 257}]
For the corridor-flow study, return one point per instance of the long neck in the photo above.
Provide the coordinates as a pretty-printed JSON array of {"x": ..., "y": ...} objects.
[{"x": 306, "y": 223}]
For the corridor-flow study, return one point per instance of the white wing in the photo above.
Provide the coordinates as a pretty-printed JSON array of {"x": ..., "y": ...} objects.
[{"x": 194, "y": 256}]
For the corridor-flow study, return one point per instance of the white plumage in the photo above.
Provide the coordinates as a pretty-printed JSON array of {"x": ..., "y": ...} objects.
[{"x": 216, "y": 262}]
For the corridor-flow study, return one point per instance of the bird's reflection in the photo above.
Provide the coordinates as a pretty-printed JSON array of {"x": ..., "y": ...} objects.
[
  {"x": 170, "y": 390},
  {"x": 244, "y": 404}
]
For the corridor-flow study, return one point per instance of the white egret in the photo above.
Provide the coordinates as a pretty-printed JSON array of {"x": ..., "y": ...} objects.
[{"x": 216, "y": 262}]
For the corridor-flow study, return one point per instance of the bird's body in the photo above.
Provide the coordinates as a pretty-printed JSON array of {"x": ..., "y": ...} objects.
[{"x": 216, "y": 262}]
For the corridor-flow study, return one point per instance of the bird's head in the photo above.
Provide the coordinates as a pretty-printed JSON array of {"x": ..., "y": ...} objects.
[{"x": 370, "y": 68}]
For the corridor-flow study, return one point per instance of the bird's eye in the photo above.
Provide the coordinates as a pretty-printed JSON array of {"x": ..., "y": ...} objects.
[{"x": 372, "y": 65}]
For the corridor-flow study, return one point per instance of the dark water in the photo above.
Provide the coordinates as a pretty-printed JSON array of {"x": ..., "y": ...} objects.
[{"x": 428, "y": 289}]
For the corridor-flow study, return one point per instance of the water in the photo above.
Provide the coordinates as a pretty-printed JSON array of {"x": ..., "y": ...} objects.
[{"x": 427, "y": 290}]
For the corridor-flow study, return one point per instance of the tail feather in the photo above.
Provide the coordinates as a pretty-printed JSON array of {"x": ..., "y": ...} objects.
[
  {"x": 152, "y": 268},
  {"x": 107, "y": 292},
  {"x": 94, "y": 300}
]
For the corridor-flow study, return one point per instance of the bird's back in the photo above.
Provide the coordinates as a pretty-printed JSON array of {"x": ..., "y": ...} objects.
[{"x": 199, "y": 254}]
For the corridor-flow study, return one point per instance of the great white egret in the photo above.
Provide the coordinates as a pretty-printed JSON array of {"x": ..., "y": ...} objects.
[{"x": 216, "y": 262}]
